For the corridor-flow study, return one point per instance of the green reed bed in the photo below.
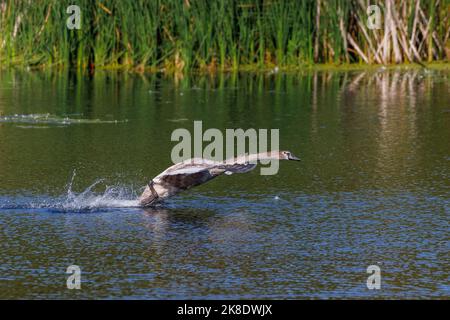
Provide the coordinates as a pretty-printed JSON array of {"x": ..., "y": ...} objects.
[{"x": 185, "y": 35}]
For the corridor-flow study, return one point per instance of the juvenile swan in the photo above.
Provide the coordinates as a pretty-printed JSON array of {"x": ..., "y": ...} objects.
[{"x": 196, "y": 171}]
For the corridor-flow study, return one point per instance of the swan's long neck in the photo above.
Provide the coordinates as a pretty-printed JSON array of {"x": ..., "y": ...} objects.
[{"x": 272, "y": 155}]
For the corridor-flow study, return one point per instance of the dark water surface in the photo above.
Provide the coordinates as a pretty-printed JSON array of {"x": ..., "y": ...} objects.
[{"x": 373, "y": 187}]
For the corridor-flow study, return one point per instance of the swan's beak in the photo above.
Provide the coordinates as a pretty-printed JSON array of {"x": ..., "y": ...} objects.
[{"x": 292, "y": 157}]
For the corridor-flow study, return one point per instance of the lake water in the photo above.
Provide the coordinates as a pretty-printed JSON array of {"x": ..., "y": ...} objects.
[{"x": 373, "y": 186}]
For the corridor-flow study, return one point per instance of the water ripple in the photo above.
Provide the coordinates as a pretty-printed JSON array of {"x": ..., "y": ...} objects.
[{"x": 47, "y": 118}]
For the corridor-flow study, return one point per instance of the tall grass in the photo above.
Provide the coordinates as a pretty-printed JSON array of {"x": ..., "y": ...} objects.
[{"x": 184, "y": 35}]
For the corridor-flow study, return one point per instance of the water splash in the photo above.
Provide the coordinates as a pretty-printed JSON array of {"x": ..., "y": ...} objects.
[
  {"x": 50, "y": 119},
  {"x": 116, "y": 196}
]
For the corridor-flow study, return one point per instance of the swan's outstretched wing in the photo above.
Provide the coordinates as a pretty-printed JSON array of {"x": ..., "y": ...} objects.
[
  {"x": 183, "y": 176},
  {"x": 186, "y": 177},
  {"x": 238, "y": 167}
]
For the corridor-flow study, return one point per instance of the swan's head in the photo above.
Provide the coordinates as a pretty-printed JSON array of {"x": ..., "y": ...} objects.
[{"x": 287, "y": 155}]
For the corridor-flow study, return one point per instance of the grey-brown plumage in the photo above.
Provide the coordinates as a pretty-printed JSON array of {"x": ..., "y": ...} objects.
[{"x": 196, "y": 171}]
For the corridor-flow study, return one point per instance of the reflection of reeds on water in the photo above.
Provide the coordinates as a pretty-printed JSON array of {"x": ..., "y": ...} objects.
[{"x": 400, "y": 105}]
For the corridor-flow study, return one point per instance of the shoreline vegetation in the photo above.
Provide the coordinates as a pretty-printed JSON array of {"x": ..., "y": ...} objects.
[{"x": 177, "y": 36}]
